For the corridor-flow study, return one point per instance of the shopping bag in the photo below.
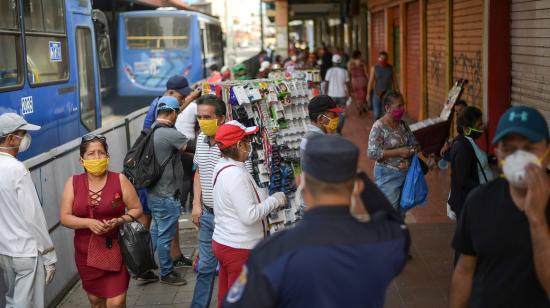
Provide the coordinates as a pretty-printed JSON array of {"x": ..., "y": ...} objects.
[
  {"x": 415, "y": 189},
  {"x": 137, "y": 248}
]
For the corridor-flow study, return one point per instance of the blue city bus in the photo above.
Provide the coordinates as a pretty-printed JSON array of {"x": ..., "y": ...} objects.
[
  {"x": 49, "y": 69},
  {"x": 154, "y": 45}
]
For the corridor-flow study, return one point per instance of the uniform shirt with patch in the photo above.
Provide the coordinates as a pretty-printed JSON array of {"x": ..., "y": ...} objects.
[
  {"x": 329, "y": 260},
  {"x": 494, "y": 230}
]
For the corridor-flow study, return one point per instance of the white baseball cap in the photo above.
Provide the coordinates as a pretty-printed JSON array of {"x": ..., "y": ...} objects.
[
  {"x": 336, "y": 58},
  {"x": 11, "y": 122}
]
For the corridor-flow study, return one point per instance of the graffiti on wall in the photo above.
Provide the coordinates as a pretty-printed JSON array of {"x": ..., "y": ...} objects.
[
  {"x": 435, "y": 65},
  {"x": 470, "y": 68}
]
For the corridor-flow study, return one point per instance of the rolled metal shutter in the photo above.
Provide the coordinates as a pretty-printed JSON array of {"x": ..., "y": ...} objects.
[
  {"x": 467, "y": 48},
  {"x": 437, "y": 55},
  {"x": 530, "y": 54},
  {"x": 413, "y": 60}
]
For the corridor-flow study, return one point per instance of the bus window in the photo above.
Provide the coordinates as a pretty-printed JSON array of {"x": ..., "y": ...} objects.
[
  {"x": 46, "y": 41},
  {"x": 10, "y": 36},
  {"x": 86, "y": 80},
  {"x": 158, "y": 32}
]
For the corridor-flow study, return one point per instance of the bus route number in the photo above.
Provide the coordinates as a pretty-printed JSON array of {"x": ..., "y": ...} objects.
[{"x": 27, "y": 105}]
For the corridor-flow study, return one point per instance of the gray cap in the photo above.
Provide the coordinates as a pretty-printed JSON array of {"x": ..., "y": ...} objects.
[{"x": 11, "y": 122}]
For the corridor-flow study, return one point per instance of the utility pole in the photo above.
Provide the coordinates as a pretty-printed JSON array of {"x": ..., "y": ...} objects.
[{"x": 262, "y": 25}]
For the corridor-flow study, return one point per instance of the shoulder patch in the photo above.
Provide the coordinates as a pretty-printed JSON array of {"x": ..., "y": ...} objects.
[{"x": 237, "y": 289}]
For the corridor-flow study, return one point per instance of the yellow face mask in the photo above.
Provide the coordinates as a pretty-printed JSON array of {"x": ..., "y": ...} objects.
[
  {"x": 96, "y": 167},
  {"x": 332, "y": 124},
  {"x": 209, "y": 127}
]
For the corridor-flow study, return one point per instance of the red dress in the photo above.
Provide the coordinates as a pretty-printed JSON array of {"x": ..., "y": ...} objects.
[
  {"x": 95, "y": 281},
  {"x": 358, "y": 82}
]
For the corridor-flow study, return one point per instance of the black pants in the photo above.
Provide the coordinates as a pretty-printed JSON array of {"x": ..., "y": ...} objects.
[{"x": 187, "y": 187}]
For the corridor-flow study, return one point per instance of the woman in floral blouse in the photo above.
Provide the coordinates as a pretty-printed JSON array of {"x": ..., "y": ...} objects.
[{"x": 391, "y": 144}]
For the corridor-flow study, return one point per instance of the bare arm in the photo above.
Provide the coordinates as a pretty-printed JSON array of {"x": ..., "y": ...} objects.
[
  {"x": 536, "y": 203},
  {"x": 197, "y": 207},
  {"x": 371, "y": 82},
  {"x": 461, "y": 285},
  {"x": 130, "y": 197}
]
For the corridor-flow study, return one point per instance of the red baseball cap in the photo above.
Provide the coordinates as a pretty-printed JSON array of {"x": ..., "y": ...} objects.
[{"x": 232, "y": 132}]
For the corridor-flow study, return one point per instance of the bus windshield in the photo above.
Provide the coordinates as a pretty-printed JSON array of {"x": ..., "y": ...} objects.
[{"x": 157, "y": 32}]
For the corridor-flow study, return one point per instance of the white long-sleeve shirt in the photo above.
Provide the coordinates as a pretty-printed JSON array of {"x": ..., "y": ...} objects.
[
  {"x": 23, "y": 228},
  {"x": 237, "y": 213},
  {"x": 186, "y": 120}
]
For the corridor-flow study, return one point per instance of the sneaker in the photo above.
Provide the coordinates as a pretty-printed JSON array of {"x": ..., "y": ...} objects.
[
  {"x": 148, "y": 276},
  {"x": 173, "y": 279},
  {"x": 182, "y": 261}
]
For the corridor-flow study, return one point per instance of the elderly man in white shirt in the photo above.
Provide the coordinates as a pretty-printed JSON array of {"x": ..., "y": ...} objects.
[
  {"x": 240, "y": 207},
  {"x": 27, "y": 255}
]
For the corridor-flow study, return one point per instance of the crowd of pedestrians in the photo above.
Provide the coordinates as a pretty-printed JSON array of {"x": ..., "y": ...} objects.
[{"x": 353, "y": 240}]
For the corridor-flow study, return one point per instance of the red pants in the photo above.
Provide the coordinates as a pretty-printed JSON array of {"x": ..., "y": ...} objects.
[{"x": 231, "y": 261}]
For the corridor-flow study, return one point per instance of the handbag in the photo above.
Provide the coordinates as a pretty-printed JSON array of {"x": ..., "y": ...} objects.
[
  {"x": 137, "y": 247},
  {"x": 415, "y": 189},
  {"x": 103, "y": 251}
]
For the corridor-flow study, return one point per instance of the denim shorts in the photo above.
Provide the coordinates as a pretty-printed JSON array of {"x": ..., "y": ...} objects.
[{"x": 390, "y": 181}]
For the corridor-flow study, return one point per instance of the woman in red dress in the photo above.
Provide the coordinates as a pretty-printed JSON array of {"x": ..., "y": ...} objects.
[
  {"x": 95, "y": 203},
  {"x": 359, "y": 77}
]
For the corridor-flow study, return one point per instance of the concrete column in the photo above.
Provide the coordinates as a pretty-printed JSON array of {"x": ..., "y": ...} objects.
[{"x": 281, "y": 27}]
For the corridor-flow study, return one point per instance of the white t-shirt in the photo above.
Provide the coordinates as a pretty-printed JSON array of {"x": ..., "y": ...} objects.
[
  {"x": 238, "y": 214},
  {"x": 337, "y": 78},
  {"x": 185, "y": 123}
]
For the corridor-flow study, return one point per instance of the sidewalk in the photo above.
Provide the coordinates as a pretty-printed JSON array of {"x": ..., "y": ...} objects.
[
  {"x": 153, "y": 294},
  {"x": 424, "y": 283}
]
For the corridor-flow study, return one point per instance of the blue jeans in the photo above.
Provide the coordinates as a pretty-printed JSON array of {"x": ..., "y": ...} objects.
[
  {"x": 376, "y": 107},
  {"x": 207, "y": 263},
  {"x": 391, "y": 183},
  {"x": 165, "y": 212}
]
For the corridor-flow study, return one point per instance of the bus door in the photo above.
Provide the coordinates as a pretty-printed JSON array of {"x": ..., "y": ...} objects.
[{"x": 89, "y": 113}]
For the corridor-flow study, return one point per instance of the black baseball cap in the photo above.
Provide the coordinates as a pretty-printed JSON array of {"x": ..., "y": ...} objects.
[
  {"x": 330, "y": 158},
  {"x": 322, "y": 103},
  {"x": 524, "y": 121},
  {"x": 180, "y": 84}
]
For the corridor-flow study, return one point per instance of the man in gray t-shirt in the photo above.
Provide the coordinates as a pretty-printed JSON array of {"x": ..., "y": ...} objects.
[
  {"x": 382, "y": 79},
  {"x": 167, "y": 142},
  {"x": 163, "y": 197}
]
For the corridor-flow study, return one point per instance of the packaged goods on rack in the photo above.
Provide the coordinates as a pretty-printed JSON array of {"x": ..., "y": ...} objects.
[{"x": 279, "y": 108}]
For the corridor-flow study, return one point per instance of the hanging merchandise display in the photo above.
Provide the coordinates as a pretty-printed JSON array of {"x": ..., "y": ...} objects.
[{"x": 277, "y": 105}]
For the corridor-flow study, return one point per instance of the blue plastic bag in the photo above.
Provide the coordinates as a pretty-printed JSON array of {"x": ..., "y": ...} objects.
[{"x": 415, "y": 189}]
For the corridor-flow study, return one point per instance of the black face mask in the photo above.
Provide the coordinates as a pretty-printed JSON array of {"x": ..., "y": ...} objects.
[{"x": 475, "y": 135}]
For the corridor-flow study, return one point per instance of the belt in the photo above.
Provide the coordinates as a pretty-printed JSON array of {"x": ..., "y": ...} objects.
[{"x": 208, "y": 209}]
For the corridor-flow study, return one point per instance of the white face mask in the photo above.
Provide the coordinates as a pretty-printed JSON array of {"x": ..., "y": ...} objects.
[
  {"x": 24, "y": 145},
  {"x": 514, "y": 166}
]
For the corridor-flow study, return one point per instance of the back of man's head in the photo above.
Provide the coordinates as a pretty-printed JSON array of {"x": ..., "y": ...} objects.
[{"x": 329, "y": 170}]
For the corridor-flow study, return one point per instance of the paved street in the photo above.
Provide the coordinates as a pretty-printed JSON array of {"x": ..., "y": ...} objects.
[{"x": 424, "y": 282}]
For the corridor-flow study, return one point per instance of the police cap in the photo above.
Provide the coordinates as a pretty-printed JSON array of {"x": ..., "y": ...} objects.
[{"x": 330, "y": 158}]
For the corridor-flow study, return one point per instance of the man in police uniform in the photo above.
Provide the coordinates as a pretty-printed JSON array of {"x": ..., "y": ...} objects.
[{"x": 330, "y": 259}]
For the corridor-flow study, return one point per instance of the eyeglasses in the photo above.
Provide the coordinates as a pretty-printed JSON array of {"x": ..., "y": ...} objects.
[{"x": 92, "y": 136}]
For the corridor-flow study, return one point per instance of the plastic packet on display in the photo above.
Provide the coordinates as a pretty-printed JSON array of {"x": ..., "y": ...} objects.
[{"x": 241, "y": 95}]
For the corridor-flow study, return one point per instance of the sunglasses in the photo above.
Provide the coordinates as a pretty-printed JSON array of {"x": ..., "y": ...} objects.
[{"x": 92, "y": 136}]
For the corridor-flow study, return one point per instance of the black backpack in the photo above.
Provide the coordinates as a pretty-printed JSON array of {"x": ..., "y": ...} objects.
[{"x": 140, "y": 163}]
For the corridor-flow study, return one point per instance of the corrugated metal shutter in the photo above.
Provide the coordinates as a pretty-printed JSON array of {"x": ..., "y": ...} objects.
[
  {"x": 413, "y": 60},
  {"x": 467, "y": 48},
  {"x": 378, "y": 37},
  {"x": 436, "y": 53},
  {"x": 530, "y": 39}
]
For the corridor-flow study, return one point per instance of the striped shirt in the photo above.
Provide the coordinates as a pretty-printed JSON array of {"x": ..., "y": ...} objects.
[{"x": 206, "y": 159}]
